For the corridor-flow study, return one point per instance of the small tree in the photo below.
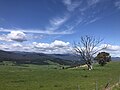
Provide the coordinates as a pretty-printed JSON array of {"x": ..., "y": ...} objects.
[
  {"x": 102, "y": 58},
  {"x": 86, "y": 48}
]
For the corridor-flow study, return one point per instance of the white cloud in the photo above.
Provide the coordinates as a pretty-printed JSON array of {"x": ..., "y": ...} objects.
[
  {"x": 71, "y": 5},
  {"x": 56, "y": 47},
  {"x": 92, "y": 20},
  {"x": 89, "y": 4},
  {"x": 92, "y": 2},
  {"x": 82, "y": 17},
  {"x": 17, "y": 36},
  {"x": 49, "y": 32},
  {"x": 114, "y": 50},
  {"x": 4, "y": 47},
  {"x": 58, "y": 21},
  {"x": 117, "y": 4},
  {"x": 58, "y": 43},
  {"x": 67, "y": 2},
  {"x": 17, "y": 45},
  {"x": 4, "y": 38}
]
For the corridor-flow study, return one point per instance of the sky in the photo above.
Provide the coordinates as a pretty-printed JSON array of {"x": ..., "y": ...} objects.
[{"x": 51, "y": 26}]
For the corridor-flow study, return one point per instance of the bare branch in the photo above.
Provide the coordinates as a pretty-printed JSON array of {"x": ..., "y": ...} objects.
[{"x": 86, "y": 48}]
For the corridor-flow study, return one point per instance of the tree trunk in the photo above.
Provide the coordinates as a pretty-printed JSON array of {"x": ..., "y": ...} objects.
[{"x": 90, "y": 67}]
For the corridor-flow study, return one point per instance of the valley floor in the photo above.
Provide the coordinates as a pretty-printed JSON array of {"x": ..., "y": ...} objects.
[{"x": 52, "y": 77}]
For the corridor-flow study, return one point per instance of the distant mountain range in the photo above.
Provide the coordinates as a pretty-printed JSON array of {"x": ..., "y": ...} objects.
[
  {"x": 115, "y": 58},
  {"x": 39, "y": 58},
  {"x": 42, "y": 59}
]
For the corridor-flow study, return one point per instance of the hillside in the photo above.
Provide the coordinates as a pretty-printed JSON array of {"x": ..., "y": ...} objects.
[
  {"x": 42, "y": 59},
  {"x": 36, "y": 58}
]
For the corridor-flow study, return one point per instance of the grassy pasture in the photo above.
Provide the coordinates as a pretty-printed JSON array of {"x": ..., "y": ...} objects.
[{"x": 51, "y": 77}]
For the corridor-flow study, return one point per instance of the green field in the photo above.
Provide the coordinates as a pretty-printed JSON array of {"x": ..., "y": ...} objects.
[{"x": 51, "y": 77}]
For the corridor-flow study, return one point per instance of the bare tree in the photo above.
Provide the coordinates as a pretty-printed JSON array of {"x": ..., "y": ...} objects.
[{"x": 87, "y": 48}]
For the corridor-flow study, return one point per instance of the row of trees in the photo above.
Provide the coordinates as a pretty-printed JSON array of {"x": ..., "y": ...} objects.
[{"x": 87, "y": 49}]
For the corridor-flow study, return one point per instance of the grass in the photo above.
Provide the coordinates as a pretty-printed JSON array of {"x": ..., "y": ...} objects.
[{"x": 51, "y": 77}]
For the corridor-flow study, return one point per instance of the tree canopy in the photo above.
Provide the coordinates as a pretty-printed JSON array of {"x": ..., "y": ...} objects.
[{"x": 102, "y": 58}]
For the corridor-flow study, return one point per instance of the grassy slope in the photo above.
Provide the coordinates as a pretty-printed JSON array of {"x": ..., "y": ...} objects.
[{"x": 48, "y": 78}]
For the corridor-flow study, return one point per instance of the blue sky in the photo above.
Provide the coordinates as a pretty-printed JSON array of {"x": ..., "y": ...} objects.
[{"x": 34, "y": 24}]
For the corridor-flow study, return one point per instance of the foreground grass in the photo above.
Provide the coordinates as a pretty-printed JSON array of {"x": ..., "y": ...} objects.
[{"x": 35, "y": 77}]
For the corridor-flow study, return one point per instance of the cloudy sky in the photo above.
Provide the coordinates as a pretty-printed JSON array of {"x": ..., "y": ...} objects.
[{"x": 51, "y": 26}]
